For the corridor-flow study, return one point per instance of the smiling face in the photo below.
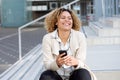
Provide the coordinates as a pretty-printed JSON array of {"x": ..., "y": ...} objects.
[{"x": 65, "y": 21}]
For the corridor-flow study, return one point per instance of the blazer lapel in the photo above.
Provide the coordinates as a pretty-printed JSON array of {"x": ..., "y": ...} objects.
[
  {"x": 55, "y": 44},
  {"x": 55, "y": 47}
]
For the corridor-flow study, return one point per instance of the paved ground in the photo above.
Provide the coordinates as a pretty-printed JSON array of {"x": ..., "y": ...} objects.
[
  {"x": 104, "y": 57},
  {"x": 9, "y": 44}
]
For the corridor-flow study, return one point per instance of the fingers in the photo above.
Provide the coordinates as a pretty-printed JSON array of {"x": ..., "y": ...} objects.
[
  {"x": 70, "y": 61},
  {"x": 67, "y": 60},
  {"x": 60, "y": 60},
  {"x": 61, "y": 55}
]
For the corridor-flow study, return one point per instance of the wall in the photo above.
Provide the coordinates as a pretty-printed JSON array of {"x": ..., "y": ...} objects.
[{"x": 13, "y": 13}]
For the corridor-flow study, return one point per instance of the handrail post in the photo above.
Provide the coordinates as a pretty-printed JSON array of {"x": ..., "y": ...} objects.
[
  {"x": 103, "y": 9},
  {"x": 70, "y": 6},
  {"x": 20, "y": 47}
]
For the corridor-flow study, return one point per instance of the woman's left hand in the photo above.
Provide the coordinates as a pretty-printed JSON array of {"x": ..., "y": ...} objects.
[{"x": 70, "y": 61}]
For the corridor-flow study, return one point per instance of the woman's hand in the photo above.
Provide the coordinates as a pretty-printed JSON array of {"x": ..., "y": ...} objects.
[
  {"x": 60, "y": 60},
  {"x": 70, "y": 61},
  {"x": 67, "y": 60}
]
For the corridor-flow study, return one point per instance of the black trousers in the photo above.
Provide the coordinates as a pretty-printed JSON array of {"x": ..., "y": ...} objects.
[{"x": 79, "y": 74}]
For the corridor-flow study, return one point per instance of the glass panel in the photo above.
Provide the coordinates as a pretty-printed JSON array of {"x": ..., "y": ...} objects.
[
  {"x": 29, "y": 10},
  {"x": 13, "y": 15},
  {"x": 119, "y": 7}
]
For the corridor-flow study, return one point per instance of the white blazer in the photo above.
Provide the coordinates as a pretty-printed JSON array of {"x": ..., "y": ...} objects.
[{"x": 50, "y": 47}]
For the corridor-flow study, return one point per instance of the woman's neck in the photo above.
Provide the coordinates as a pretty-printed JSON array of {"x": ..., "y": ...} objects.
[{"x": 64, "y": 35}]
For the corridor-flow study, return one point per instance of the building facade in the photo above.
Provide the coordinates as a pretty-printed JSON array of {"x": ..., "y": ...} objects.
[
  {"x": 14, "y": 13},
  {"x": 106, "y": 8}
]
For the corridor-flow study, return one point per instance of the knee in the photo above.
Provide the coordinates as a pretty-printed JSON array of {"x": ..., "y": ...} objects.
[
  {"x": 81, "y": 74},
  {"x": 50, "y": 75},
  {"x": 45, "y": 75},
  {"x": 47, "y": 72},
  {"x": 82, "y": 71}
]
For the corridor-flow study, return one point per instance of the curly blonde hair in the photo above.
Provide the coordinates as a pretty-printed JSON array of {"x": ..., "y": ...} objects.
[{"x": 52, "y": 17}]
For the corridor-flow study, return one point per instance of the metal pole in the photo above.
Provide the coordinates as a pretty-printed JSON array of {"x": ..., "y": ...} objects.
[
  {"x": 70, "y": 6},
  {"x": 103, "y": 8},
  {"x": 20, "y": 50}
]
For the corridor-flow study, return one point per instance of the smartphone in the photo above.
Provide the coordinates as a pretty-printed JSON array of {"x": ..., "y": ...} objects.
[{"x": 63, "y": 51}]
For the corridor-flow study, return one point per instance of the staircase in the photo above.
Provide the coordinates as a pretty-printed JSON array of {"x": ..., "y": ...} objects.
[
  {"x": 103, "y": 32},
  {"x": 29, "y": 68},
  {"x": 103, "y": 53},
  {"x": 103, "y": 38}
]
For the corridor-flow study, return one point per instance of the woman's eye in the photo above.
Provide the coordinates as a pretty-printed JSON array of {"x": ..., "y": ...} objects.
[
  {"x": 66, "y": 17},
  {"x": 70, "y": 18},
  {"x": 62, "y": 17}
]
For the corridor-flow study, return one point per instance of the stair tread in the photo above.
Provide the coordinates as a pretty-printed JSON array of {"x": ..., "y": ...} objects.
[
  {"x": 88, "y": 31},
  {"x": 103, "y": 54}
]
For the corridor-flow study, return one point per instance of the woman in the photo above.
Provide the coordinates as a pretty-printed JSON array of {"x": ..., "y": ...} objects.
[{"x": 64, "y": 48}]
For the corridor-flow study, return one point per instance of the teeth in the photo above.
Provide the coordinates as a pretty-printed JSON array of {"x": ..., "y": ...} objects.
[{"x": 66, "y": 24}]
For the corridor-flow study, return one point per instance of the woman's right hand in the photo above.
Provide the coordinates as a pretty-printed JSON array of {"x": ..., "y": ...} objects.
[{"x": 60, "y": 60}]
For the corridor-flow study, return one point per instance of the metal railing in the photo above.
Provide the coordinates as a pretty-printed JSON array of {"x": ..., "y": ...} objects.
[
  {"x": 42, "y": 17},
  {"x": 19, "y": 34}
]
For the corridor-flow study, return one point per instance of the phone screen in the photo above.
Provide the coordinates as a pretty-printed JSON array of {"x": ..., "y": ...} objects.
[{"x": 63, "y": 51}]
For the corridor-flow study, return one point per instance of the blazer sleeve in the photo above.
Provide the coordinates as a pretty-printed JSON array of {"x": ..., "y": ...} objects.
[
  {"x": 81, "y": 55},
  {"x": 81, "y": 51},
  {"x": 48, "y": 59}
]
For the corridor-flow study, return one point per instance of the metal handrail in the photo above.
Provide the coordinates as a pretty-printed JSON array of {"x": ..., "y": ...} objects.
[
  {"x": 20, "y": 28},
  {"x": 19, "y": 34}
]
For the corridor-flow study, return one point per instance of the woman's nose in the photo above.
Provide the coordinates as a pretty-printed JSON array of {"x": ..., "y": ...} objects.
[{"x": 67, "y": 19}]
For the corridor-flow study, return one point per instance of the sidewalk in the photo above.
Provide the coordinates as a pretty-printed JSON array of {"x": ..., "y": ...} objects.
[
  {"x": 7, "y": 31},
  {"x": 9, "y": 53}
]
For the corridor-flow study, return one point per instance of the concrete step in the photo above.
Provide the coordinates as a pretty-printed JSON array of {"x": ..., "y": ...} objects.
[
  {"x": 94, "y": 39},
  {"x": 109, "y": 32},
  {"x": 107, "y": 75},
  {"x": 88, "y": 31},
  {"x": 103, "y": 40},
  {"x": 114, "y": 22},
  {"x": 103, "y": 57},
  {"x": 104, "y": 61},
  {"x": 104, "y": 30},
  {"x": 26, "y": 68}
]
